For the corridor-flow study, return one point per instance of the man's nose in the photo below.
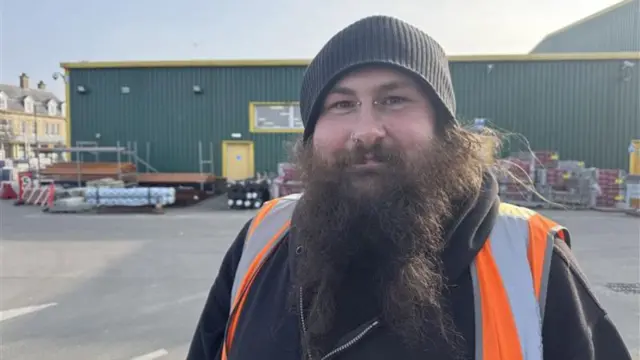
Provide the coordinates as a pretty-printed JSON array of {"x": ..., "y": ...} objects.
[{"x": 369, "y": 130}]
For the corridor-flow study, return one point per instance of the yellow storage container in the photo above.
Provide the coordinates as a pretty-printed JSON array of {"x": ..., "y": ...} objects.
[{"x": 634, "y": 157}]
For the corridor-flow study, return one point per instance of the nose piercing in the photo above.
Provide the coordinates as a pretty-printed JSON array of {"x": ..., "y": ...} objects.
[{"x": 354, "y": 138}]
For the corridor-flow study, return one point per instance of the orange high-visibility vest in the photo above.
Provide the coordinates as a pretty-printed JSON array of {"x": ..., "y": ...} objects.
[{"x": 509, "y": 276}]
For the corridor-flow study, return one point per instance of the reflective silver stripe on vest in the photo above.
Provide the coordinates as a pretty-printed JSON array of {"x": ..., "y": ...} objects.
[
  {"x": 508, "y": 242},
  {"x": 262, "y": 234},
  {"x": 546, "y": 267}
]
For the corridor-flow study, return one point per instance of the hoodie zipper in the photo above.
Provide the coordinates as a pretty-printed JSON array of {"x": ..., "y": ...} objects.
[
  {"x": 342, "y": 347},
  {"x": 351, "y": 342},
  {"x": 302, "y": 322}
]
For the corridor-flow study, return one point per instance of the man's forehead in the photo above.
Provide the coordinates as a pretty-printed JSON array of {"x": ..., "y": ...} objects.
[{"x": 374, "y": 78}]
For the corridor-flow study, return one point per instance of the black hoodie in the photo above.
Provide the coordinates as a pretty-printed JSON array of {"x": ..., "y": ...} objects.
[{"x": 575, "y": 326}]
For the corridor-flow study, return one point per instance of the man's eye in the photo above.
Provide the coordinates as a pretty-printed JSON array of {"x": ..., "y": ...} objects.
[
  {"x": 393, "y": 100},
  {"x": 343, "y": 105}
]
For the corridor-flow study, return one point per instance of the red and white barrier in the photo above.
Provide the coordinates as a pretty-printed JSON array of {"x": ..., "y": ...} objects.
[{"x": 35, "y": 194}]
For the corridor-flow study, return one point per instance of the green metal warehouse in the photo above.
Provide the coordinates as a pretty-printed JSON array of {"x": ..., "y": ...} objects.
[
  {"x": 616, "y": 28},
  {"x": 585, "y": 106}
]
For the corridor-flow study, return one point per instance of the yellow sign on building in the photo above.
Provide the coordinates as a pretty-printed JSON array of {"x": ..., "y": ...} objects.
[{"x": 634, "y": 157}]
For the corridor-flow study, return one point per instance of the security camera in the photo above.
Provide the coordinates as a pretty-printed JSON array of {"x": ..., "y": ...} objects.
[
  {"x": 627, "y": 64},
  {"x": 55, "y": 76}
]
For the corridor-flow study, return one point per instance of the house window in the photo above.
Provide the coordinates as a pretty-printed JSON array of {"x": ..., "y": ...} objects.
[
  {"x": 4, "y": 102},
  {"x": 23, "y": 127},
  {"x": 53, "y": 108},
  {"x": 63, "y": 109},
  {"x": 47, "y": 126},
  {"x": 5, "y": 126},
  {"x": 28, "y": 105}
]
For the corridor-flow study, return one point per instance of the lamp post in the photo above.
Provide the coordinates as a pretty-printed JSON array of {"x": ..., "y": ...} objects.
[
  {"x": 36, "y": 141},
  {"x": 58, "y": 75}
]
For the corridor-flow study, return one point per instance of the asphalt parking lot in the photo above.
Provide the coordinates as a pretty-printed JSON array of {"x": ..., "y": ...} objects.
[{"x": 120, "y": 287}]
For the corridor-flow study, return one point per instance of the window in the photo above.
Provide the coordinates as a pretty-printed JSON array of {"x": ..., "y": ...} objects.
[
  {"x": 52, "y": 129},
  {"x": 275, "y": 117},
  {"x": 5, "y": 126},
  {"x": 63, "y": 109},
  {"x": 52, "y": 108},
  {"x": 4, "y": 101},
  {"x": 47, "y": 128},
  {"x": 23, "y": 127},
  {"x": 28, "y": 105}
]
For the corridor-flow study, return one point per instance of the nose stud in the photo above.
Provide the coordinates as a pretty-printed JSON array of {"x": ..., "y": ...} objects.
[{"x": 354, "y": 138}]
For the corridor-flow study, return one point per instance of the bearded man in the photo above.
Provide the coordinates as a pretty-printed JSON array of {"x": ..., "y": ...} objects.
[{"x": 399, "y": 247}]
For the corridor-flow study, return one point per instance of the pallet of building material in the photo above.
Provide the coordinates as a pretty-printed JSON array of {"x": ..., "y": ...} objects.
[
  {"x": 546, "y": 158},
  {"x": 555, "y": 178},
  {"x": 516, "y": 171},
  {"x": 70, "y": 205},
  {"x": 612, "y": 188},
  {"x": 131, "y": 197},
  {"x": 570, "y": 165},
  {"x": 577, "y": 188}
]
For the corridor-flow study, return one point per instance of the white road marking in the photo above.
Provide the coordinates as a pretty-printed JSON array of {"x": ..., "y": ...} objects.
[
  {"x": 11, "y": 313},
  {"x": 160, "y": 306},
  {"x": 152, "y": 355},
  {"x": 168, "y": 216}
]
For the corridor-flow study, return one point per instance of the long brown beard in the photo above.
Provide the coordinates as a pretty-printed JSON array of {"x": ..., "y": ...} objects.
[{"x": 397, "y": 234}]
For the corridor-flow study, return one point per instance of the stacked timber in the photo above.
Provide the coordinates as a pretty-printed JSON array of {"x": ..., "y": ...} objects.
[
  {"x": 70, "y": 171},
  {"x": 176, "y": 178}
]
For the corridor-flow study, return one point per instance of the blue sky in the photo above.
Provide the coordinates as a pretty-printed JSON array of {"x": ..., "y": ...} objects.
[{"x": 36, "y": 35}]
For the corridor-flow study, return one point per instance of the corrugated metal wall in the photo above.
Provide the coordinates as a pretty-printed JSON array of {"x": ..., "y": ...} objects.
[
  {"x": 583, "y": 109},
  {"x": 615, "y": 30},
  {"x": 162, "y": 109}
]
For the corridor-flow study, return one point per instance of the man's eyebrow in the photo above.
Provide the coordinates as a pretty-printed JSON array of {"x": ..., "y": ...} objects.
[
  {"x": 389, "y": 86},
  {"x": 394, "y": 85},
  {"x": 341, "y": 90}
]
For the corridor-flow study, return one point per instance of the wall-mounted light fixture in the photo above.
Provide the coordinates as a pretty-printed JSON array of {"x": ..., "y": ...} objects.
[
  {"x": 197, "y": 89},
  {"x": 81, "y": 89},
  {"x": 490, "y": 68},
  {"x": 125, "y": 90},
  {"x": 627, "y": 70}
]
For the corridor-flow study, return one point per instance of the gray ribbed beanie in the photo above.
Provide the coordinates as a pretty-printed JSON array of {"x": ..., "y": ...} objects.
[{"x": 379, "y": 40}]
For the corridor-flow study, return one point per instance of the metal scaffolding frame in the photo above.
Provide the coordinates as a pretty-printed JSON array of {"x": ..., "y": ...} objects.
[
  {"x": 130, "y": 152},
  {"x": 92, "y": 147},
  {"x": 202, "y": 162}
]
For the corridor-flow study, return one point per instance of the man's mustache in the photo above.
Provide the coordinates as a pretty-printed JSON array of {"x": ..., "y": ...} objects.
[{"x": 361, "y": 154}]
